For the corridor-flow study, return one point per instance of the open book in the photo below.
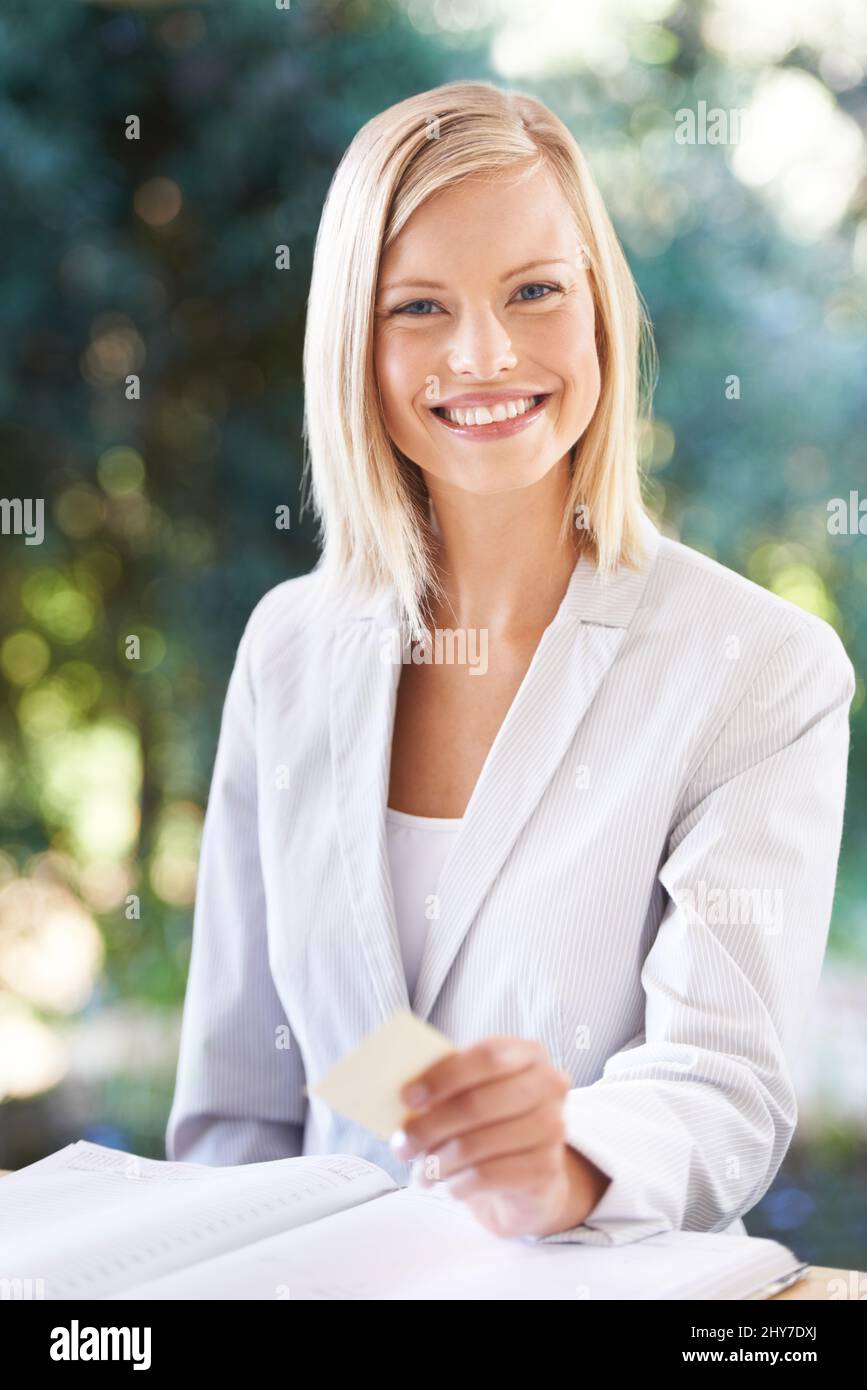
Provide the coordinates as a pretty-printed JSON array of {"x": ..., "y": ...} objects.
[{"x": 93, "y": 1223}]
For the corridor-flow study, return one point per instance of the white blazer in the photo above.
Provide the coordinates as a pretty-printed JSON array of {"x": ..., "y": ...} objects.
[{"x": 643, "y": 881}]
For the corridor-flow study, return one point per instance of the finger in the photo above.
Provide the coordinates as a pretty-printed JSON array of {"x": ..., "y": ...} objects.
[
  {"x": 483, "y": 1105},
  {"x": 471, "y": 1066},
  {"x": 520, "y": 1174},
  {"x": 537, "y": 1129}
]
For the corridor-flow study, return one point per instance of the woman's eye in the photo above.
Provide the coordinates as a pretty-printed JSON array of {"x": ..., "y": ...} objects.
[
  {"x": 423, "y": 308},
  {"x": 553, "y": 289},
  {"x": 408, "y": 308}
]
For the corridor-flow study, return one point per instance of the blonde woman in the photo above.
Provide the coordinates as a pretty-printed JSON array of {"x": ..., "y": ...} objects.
[{"x": 569, "y": 789}]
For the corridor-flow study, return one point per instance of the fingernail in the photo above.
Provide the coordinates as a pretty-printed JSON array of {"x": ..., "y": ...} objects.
[
  {"x": 416, "y": 1095},
  {"x": 401, "y": 1144}
]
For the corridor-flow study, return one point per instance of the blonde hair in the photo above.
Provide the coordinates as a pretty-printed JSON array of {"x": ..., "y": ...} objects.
[{"x": 370, "y": 499}]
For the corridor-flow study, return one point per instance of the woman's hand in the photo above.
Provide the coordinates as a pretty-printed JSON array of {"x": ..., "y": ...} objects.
[{"x": 488, "y": 1121}]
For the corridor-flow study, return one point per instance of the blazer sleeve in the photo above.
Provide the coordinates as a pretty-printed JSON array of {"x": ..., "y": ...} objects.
[
  {"x": 693, "y": 1118},
  {"x": 239, "y": 1094}
]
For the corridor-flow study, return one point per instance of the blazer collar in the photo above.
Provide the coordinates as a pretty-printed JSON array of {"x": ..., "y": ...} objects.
[{"x": 569, "y": 664}]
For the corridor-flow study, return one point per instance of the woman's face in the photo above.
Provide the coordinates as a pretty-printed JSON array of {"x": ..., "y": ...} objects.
[{"x": 484, "y": 302}]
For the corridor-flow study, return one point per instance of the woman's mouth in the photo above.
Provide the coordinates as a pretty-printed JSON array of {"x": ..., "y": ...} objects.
[{"x": 493, "y": 422}]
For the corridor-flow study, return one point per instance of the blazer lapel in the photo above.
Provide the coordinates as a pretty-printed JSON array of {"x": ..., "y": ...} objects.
[
  {"x": 568, "y": 666},
  {"x": 364, "y": 685}
]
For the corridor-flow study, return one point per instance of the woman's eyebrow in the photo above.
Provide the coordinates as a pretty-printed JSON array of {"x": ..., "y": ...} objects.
[{"x": 436, "y": 285}]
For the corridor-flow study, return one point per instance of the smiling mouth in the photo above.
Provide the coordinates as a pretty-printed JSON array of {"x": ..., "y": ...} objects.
[{"x": 506, "y": 414}]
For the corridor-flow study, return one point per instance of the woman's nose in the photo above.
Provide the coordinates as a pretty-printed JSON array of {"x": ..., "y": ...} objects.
[{"x": 480, "y": 346}]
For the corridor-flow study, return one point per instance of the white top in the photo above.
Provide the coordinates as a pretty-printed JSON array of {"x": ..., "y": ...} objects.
[{"x": 417, "y": 849}]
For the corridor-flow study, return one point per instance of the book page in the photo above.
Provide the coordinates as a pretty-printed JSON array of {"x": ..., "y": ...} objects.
[
  {"x": 90, "y": 1221},
  {"x": 420, "y": 1243}
]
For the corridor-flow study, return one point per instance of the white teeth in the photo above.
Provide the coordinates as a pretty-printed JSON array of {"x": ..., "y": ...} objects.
[{"x": 482, "y": 415}]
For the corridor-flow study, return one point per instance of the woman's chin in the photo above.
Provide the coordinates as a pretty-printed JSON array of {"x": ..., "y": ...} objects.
[{"x": 487, "y": 479}]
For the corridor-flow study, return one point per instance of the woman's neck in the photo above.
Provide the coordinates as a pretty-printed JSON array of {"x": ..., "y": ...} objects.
[{"x": 500, "y": 560}]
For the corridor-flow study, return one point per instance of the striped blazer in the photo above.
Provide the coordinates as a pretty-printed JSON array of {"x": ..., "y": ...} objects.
[{"x": 643, "y": 881}]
